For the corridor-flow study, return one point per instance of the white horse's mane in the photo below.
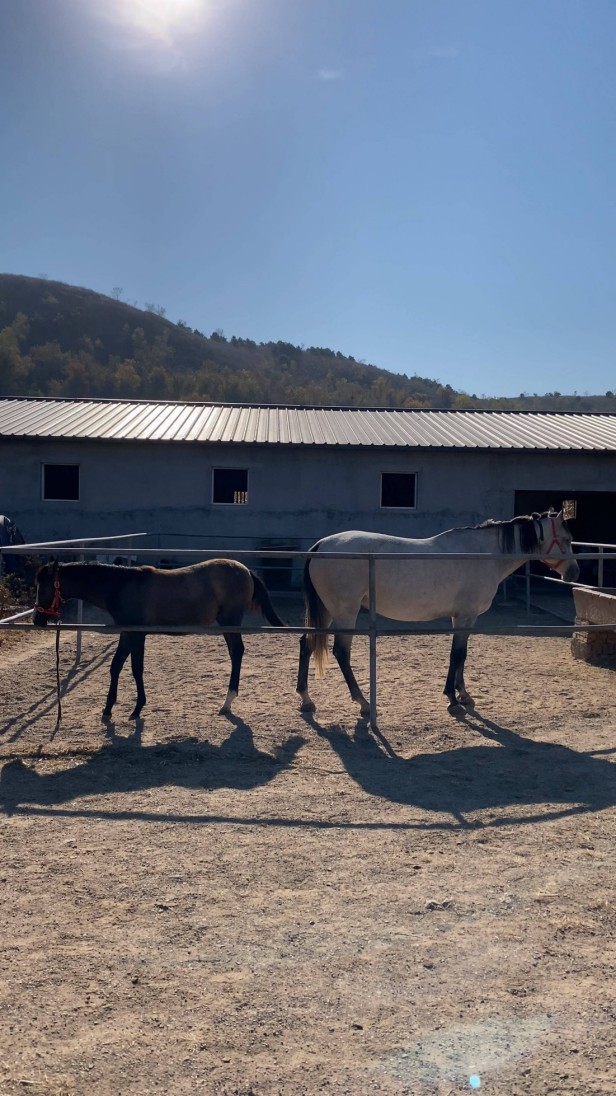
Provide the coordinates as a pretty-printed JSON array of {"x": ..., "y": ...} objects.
[{"x": 528, "y": 526}]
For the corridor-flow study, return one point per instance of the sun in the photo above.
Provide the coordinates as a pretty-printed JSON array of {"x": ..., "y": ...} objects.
[
  {"x": 159, "y": 19},
  {"x": 167, "y": 11}
]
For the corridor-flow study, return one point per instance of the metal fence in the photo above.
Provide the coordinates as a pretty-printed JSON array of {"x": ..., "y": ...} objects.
[{"x": 96, "y": 546}]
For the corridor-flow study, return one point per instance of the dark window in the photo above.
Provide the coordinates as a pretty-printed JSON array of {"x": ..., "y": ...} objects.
[
  {"x": 398, "y": 489},
  {"x": 230, "y": 485},
  {"x": 61, "y": 482}
]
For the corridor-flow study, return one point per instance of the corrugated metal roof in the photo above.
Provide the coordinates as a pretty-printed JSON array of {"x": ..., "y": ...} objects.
[{"x": 128, "y": 420}]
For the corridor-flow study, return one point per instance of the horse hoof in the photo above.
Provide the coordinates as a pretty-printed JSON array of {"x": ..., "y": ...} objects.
[
  {"x": 455, "y": 708},
  {"x": 106, "y": 717},
  {"x": 308, "y": 706},
  {"x": 225, "y": 710},
  {"x": 467, "y": 701},
  {"x": 364, "y": 712},
  {"x": 135, "y": 714}
]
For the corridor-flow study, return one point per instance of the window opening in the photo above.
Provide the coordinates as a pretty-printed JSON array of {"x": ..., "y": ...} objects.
[
  {"x": 398, "y": 489},
  {"x": 61, "y": 482},
  {"x": 231, "y": 486}
]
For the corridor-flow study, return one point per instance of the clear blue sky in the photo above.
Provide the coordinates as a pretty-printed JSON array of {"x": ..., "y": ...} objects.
[{"x": 428, "y": 185}]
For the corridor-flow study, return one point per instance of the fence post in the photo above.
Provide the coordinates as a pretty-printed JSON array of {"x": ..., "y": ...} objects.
[
  {"x": 372, "y": 630},
  {"x": 527, "y": 575},
  {"x": 79, "y": 621},
  {"x": 600, "y": 569}
]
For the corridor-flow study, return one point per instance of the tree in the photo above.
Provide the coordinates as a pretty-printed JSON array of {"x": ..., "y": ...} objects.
[
  {"x": 126, "y": 379},
  {"x": 157, "y": 309}
]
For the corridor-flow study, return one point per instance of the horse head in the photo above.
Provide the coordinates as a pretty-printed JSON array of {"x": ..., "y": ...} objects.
[
  {"x": 48, "y": 597},
  {"x": 555, "y": 546}
]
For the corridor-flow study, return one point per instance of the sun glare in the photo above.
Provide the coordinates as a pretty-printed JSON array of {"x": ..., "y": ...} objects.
[
  {"x": 160, "y": 21},
  {"x": 162, "y": 15}
]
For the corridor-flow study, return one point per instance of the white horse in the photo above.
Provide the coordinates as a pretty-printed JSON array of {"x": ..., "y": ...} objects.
[{"x": 422, "y": 589}]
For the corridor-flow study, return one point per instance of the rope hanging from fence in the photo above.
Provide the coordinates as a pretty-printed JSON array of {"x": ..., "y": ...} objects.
[{"x": 58, "y": 696}]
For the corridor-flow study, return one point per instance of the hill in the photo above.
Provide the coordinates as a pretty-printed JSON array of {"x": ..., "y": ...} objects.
[{"x": 62, "y": 340}]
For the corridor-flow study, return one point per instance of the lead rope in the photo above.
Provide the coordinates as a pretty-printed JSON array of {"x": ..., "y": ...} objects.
[
  {"x": 59, "y": 701},
  {"x": 59, "y": 719},
  {"x": 59, "y": 716}
]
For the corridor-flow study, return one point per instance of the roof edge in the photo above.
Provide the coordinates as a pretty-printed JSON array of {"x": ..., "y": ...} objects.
[{"x": 299, "y": 406}]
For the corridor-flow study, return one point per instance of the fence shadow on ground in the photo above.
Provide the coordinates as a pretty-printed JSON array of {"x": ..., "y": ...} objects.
[
  {"x": 47, "y": 704},
  {"x": 124, "y": 765},
  {"x": 478, "y": 778}
]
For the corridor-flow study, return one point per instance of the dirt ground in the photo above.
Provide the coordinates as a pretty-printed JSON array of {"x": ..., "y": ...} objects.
[{"x": 273, "y": 905}]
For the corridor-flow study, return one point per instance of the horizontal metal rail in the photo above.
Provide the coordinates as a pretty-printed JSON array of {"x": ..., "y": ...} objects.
[
  {"x": 300, "y": 629},
  {"x": 79, "y": 541},
  {"x": 53, "y": 544},
  {"x": 16, "y": 616},
  {"x": 592, "y": 544},
  {"x": 281, "y": 553}
]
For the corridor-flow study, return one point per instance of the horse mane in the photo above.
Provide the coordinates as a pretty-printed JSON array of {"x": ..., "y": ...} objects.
[
  {"x": 529, "y": 531},
  {"x": 95, "y": 564}
]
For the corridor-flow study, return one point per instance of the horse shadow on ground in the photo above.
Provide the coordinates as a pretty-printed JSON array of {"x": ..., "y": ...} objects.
[
  {"x": 124, "y": 765},
  {"x": 554, "y": 778}
]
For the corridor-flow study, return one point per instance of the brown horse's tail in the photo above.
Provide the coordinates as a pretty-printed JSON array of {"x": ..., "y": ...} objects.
[
  {"x": 316, "y": 616},
  {"x": 262, "y": 603}
]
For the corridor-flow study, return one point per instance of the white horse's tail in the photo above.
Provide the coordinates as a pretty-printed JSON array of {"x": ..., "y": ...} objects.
[{"x": 316, "y": 616}]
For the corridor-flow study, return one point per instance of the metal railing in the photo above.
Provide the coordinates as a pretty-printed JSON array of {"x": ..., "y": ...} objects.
[
  {"x": 85, "y": 547},
  {"x": 599, "y": 556}
]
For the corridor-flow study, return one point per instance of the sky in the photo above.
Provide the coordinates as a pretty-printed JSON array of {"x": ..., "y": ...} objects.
[{"x": 428, "y": 185}]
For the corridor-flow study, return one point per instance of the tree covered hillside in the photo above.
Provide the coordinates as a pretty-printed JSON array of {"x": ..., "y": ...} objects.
[{"x": 61, "y": 340}]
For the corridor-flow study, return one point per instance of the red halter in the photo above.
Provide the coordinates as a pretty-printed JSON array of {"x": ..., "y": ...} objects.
[
  {"x": 553, "y": 564},
  {"x": 54, "y": 609}
]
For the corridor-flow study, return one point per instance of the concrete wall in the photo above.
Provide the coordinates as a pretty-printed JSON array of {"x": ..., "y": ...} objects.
[
  {"x": 595, "y": 607},
  {"x": 295, "y": 494}
]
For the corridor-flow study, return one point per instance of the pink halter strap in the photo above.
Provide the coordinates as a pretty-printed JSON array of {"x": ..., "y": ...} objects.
[
  {"x": 54, "y": 609},
  {"x": 554, "y": 564}
]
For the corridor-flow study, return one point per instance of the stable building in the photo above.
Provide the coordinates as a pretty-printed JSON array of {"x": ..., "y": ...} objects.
[{"x": 243, "y": 476}]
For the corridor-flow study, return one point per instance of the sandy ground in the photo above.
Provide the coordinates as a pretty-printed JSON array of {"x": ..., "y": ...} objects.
[{"x": 269, "y": 905}]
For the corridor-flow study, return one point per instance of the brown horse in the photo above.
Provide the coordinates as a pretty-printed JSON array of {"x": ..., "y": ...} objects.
[{"x": 220, "y": 590}]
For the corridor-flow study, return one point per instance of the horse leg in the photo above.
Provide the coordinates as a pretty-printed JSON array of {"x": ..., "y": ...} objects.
[
  {"x": 464, "y": 696},
  {"x": 307, "y": 705},
  {"x": 235, "y": 647},
  {"x": 117, "y": 662},
  {"x": 455, "y": 689},
  {"x": 342, "y": 654},
  {"x": 137, "y": 651}
]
